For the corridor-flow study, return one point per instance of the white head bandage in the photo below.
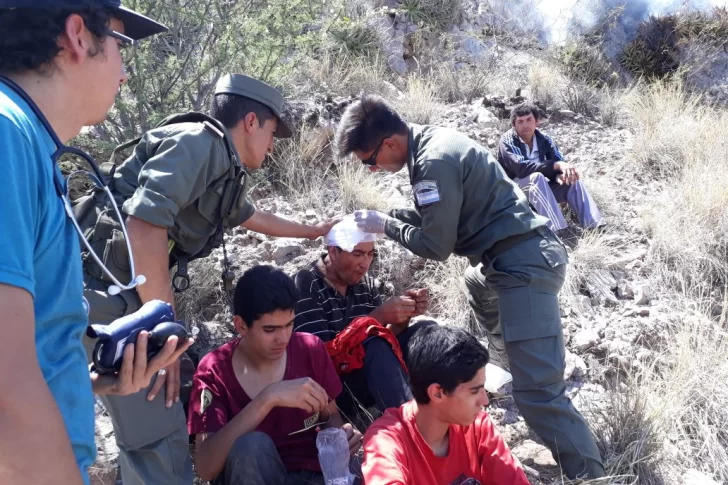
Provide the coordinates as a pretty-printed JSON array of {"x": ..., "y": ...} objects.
[{"x": 347, "y": 235}]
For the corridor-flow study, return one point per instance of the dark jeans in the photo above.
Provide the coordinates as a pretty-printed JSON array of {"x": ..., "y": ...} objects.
[
  {"x": 382, "y": 381},
  {"x": 254, "y": 460}
]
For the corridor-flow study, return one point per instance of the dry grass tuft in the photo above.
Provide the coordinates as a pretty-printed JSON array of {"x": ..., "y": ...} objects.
[
  {"x": 685, "y": 392},
  {"x": 611, "y": 106},
  {"x": 668, "y": 123},
  {"x": 448, "y": 294},
  {"x": 580, "y": 98},
  {"x": 418, "y": 103},
  {"x": 465, "y": 84},
  {"x": 343, "y": 75},
  {"x": 546, "y": 83},
  {"x": 678, "y": 140},
  {"x": 589, "y": 255},
  {"x": 628, "y": 440},
  {"x": 300, "y": 166},
  {"x": 360, "y": 189},
  {"x": 205, "y": 297},
  {"x": 434, "y": 14},
  {"x": 586, "y": 62}
]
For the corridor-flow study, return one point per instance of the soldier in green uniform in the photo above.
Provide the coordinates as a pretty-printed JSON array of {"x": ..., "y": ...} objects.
[
  {"x": 185, "y": 182},
  {"x": 465, "y": 204}
]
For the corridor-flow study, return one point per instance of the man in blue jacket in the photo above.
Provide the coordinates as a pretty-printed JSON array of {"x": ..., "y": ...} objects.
[{"x": 535, "y": 163}]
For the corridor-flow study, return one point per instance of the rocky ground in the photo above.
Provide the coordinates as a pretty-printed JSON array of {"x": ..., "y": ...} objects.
[
  {"x": 610, "y": 313},
  {"x": 614, "y": 313}
]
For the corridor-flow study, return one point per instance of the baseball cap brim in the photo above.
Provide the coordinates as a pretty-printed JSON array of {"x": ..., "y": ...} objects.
[
  {"x": 282, "y": 131},
  {"x": 136, "y": 25}
]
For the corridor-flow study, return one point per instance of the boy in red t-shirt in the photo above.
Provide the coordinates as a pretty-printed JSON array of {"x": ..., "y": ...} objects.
[
  {"x": 442, "y": 436},
  {"x": 256, "y": 401}
]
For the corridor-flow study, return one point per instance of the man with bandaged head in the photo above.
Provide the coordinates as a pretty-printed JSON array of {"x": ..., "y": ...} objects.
[{"x": 335, "y": 296}]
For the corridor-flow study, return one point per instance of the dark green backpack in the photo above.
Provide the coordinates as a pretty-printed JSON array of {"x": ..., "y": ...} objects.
[{"x": 97, "y": 219}]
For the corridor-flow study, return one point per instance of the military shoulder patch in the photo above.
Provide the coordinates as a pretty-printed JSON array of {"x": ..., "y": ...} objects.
[
  {"x": 426, "y": 192},
  {"x": 205, "y": 400}
]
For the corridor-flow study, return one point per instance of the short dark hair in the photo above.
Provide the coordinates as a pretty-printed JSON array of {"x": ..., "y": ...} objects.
[
  {"x": 525, "y": 109},
  {"x": 261, "y": 290},
  {"x": 366, "y": 123},
  {"x": 29, "y": 35},
  {"x": 443, "y": 355},
  {"x": 229, "y": 109}
]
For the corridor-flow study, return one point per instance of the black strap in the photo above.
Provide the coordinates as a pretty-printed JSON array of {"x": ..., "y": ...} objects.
[
  {"x": 181, "y": 279},
  {"x": 122, "y": 147}
]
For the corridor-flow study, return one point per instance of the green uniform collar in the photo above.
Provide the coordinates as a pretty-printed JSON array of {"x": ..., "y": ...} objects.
[{"x": 414, "y": 139}]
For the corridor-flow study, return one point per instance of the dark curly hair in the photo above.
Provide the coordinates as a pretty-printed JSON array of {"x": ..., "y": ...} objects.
[
  {"x": 28, "y": 36},
  {"x": 525, "y": 109}
]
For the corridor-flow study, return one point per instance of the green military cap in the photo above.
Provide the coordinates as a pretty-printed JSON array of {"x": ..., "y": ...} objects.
[{"x": 259, "y": 91}]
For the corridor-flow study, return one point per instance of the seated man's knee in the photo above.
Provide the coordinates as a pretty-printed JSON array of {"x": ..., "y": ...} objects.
[
  {"x": 536, "y": 178},
  {"x": 473, "y": 278},
  {"x": 377, "y": 344}
]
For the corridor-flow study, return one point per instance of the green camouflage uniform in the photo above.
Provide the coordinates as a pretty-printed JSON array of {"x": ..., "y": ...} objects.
[
  {"x": 467, "y": 205},
  {"x": 174, "y": 179}
]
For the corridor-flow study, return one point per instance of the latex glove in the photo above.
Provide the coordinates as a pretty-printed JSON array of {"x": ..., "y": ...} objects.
[{"x": 371, "y": 221}]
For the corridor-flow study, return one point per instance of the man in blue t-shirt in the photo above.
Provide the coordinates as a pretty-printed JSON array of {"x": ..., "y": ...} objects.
[{"x": 65, "y": 56}]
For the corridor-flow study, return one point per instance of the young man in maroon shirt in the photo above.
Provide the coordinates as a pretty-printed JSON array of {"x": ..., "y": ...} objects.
[{"x": 258, "y": 400}]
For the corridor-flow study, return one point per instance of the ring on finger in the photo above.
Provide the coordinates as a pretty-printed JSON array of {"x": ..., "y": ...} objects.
[{"x": 162, "y": 372}]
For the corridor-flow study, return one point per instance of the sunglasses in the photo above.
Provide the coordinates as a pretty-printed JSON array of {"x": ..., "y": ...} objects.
[
  {"x": 125, "y": 41},
  {"x": 372, "y": 161}
]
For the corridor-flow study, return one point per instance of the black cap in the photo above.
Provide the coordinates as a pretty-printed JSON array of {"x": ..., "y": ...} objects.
[{"x": 136, "y": 25}]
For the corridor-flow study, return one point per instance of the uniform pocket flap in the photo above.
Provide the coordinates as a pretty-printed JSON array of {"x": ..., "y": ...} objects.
[{"x": 528, "y": 314}]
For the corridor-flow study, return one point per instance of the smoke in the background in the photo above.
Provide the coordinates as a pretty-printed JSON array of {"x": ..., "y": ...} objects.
[{"x": 552, "y": 21}]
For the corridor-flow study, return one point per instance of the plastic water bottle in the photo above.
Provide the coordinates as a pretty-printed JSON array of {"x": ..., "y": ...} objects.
[{"x": 333, "y": 452}]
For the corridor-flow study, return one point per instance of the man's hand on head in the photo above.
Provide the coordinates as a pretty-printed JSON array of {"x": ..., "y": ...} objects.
[
  {"x": 323, "y": 228},
  {"x": 569, "y": 174}
]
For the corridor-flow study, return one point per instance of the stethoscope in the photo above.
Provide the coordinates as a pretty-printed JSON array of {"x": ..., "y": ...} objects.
[{"x": 62, "y": 192}]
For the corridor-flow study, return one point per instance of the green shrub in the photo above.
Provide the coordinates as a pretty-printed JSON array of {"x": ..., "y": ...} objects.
[
  {"x": 580, "y": 98},
  {"x": 354, "y": 38},
  {"x": 465, "y": 84},
  {"x": 586, "y": 62},
  {"x": 177, "y": 71},
  {"x": 436, "y": 14},
  {"x": 703, "y": 25},
  {"x": 653, "y": 53}
]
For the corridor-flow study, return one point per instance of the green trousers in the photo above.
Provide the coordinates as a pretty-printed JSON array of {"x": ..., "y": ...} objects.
[
  {"x": 152, "y": 439},
  {"x": 515, "y": 300}
]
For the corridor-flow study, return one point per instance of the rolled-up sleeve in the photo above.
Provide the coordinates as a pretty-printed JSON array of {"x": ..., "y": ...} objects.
[
  {"x": 176, "y": 174},
  {"x": 18, "y": 209}
]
